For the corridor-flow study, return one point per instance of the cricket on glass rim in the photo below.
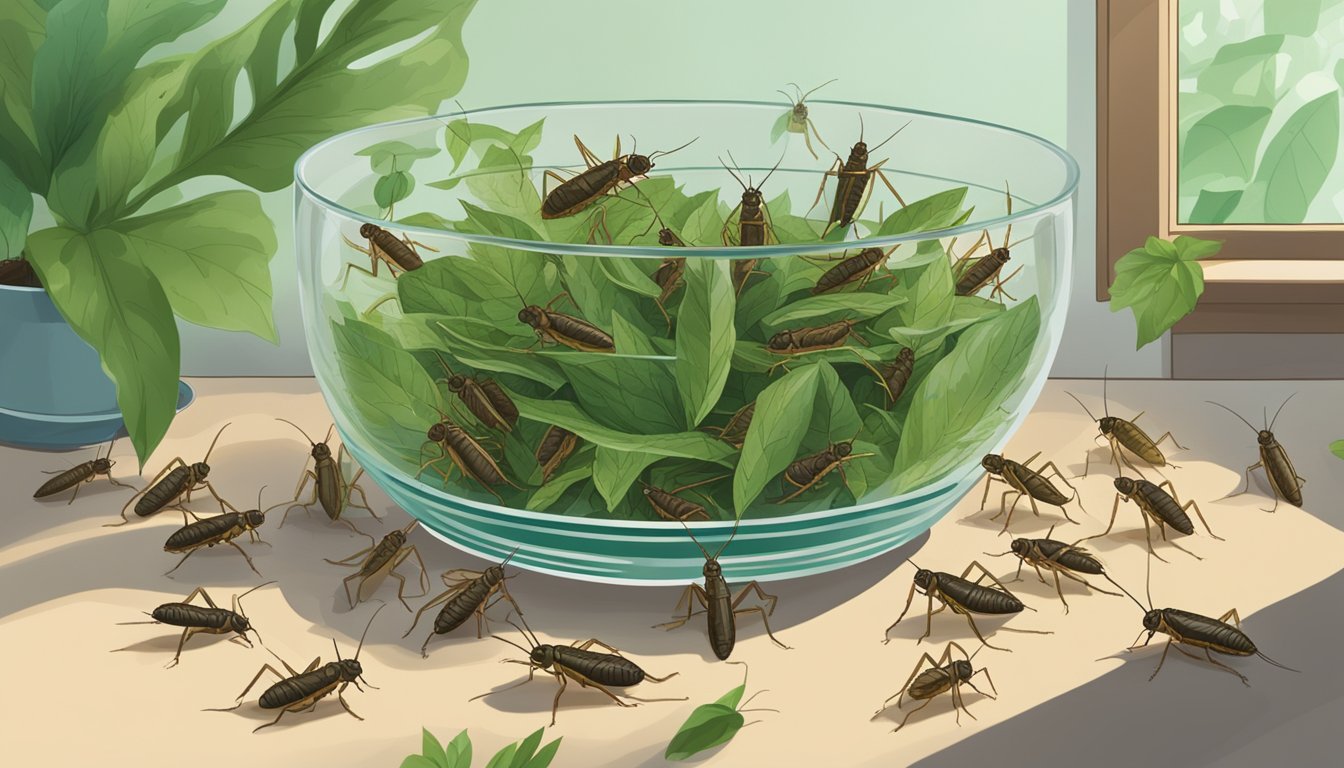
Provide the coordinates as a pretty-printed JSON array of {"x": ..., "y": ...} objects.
[
  {"x": 1283, "y": 478},
  {"x": 588, "y": 668},
  {"x": 207, "y": 619},
  {"x": 964, "y": 597},
  {"x": 854, "y": 182},
  {"x": 173, "y": 486},
  {"x": 330, "y": 488},
  {"x": 945, "y": 674},
  {"x": 796, "y": 120},
  {"x": 468, "y": 595},
  {"x": 601, "y": 177},
  {"x": 721, "y": 608},
  {"x": 301, "y": 691}
]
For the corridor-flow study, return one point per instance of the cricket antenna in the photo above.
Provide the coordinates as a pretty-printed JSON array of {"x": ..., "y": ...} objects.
[
  {"x": 730, "y": 170},
  {"x": 360, "y": 647},
  {"x": 1105, "y": 379},
  {"x": 703, "y": 551},
  {"x": 731, "y": 536},
  {"x": 814, "y": 90},
  {"x": 1080, "y": 402},
  {"x": 1269, "y": 428},
  {"x": 296, "y": 426},
  {"x": 510, "y": 557},
  {"x": 670, "y": 151},
  {"x": 1238, "y": 415},
  {"x": 772, "y": 171},
  {"x": 212, "y": 442},
  {"x": 892, "y": 136}
]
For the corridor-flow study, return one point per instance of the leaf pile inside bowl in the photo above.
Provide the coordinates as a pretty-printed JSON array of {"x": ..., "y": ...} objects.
[{"x": 667, "y": 408}]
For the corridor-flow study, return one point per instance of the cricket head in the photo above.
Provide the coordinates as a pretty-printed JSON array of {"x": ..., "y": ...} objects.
[
  {"x": 367, "y": 230},
  {"x": 639, "y": 164},
  {"x": 530, "y": 316},
  {"x": 437, "y": 432},
  {"x": 254, "y": 518},
  {"x": 321, "y": 451},
  {"x": 993, "y": 463},
  {"x": 923, "y": 578},
  {"x": 1124, "y": 485},
  {"x": 1152, "y": 620},
  {"x": 200, "y": 469},
  {"x": 349, "y": 669},
  {"x": 962, "y": 670},
  {"x": 1107, "y": 424},
  {"x": 1021, "y": 547},
  {"x": 1264, "y": 437},
  {"x": 1000, "y": 255}
]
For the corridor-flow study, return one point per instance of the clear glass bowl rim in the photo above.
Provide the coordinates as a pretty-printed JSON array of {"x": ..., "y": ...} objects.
[{"x": 1062, "y": 196}]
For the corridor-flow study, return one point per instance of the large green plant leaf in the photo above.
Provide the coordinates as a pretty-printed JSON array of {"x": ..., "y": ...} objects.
[
  {"x": 567, "y": 415},
  {"x": 936, "y": 211},
  {"x": 212, "y": 256},
  {"x": 331, "y": 88},
  {"x": 22, "y": 29},
  {"x": 79, "y": 70},
  {"x": 1214, "y": 206},
  {"x": 1160, "y": 282},
  {"x": 16, "y": 210},
  {"x": 705, "y": 337},
  {"x": 783, "y": 412},
  {"x": 628, "y": 393},
  {"x": 1295, "y": 165},
  {"x": 614, "y": 471},
  {"x": 952, "y": 410},
  {"x": 117, "y": 305}
]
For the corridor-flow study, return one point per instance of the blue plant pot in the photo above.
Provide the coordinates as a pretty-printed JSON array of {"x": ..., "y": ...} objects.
[{"x": 54, "y": 394}]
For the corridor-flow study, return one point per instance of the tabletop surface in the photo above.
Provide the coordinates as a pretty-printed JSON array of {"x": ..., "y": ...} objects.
[{"x": 69, "y": 584}]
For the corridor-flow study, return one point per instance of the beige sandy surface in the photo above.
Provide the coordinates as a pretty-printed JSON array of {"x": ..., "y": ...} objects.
[{"x": 67, "y": 582}]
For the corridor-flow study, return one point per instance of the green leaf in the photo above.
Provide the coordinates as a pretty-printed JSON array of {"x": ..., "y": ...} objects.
[
  {"x": 834, "y": 417},
  {"x": 504, "y": 187},
  {"x": 331, "y": 88},
  {"x": 1160, "y": 283},
  {"x": 936, "y": 211},
  {"x": 704, "y": 224},
  {"x": 628, "y": 393},
  {"x": 929, "y": 297},
  {"x": 952, "y": 411},
  {"x": 1297, "y": 162},
  {"x": 503, "y": 758},
  {"x": 833, "y": 306},
  {"x": 705, "y": 337},
  {"x": 545, "y": 755},
  {"x": 526, "y": 749},
  {"x": 732, "y": 698},
  {"x": 614, "y": 471},
  {"x": 780, "y": 125},
  {"x": 624, "y": 273},
  {"x": 461, "y": 135},
  {"x": 22, "y": 29},
  {"x": 1244, "y": 73},
  {"x": 91, "y": 46},
  {"x": 708, "y": 726},
  {"x": 1337, "y": 448},
  {"x": 1223, "y": 144},
  {"x": 459, "y": 751},
  {"x": 564, "y": 414},
  {"x": 577, "y": 469},
  {"x": 389, "y": 156},
  {"x": 212, "y": 256},
  {"x": 1292, "y": 17},
  {"x": 1214, "y": 207},
  {"x": 432, "y": 749},
  {"x": 418, "y": 761},
  {"x": 117, "y": 305},
  {"x": 16, "y": 210},
  {"x": 630, "y": 340},
  {"x": 777, "y": 430},
  {"x": 393, "y": 188},
  {"x": 384, "y": 384}
]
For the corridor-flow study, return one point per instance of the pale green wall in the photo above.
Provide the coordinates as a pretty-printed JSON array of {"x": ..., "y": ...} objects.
[{"x": 1025, "y": 63}]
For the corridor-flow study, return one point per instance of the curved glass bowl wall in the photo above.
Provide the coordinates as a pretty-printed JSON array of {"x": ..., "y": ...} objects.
[{"x": 363, "y": 373}]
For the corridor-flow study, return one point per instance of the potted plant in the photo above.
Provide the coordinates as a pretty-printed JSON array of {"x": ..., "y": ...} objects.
[
  {"x": 1161, "y": 282},
  {"x": 111, "y": 138}
]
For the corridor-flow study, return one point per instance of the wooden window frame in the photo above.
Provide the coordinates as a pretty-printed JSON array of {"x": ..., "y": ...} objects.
[{"x": 1276, "y": 288}]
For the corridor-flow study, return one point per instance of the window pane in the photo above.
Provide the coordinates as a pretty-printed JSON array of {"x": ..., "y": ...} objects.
[{"x": 1258, "y": 110}]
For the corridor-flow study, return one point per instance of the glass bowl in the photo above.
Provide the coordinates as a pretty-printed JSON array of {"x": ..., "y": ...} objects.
[{"x": 574, "y": 321}]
